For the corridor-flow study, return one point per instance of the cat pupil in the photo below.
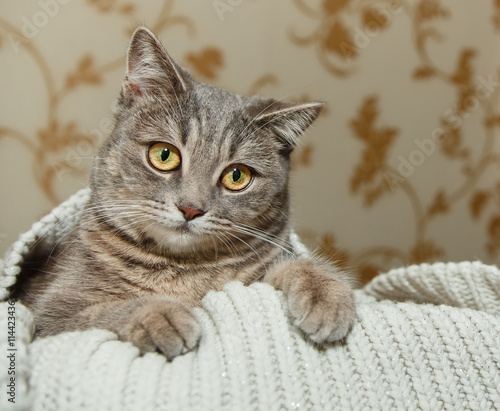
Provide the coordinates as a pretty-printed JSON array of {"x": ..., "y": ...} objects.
[
  {"x": 165, "y": 154},
  {"x": 236, "y": 174},
  {"x": 156, "y": 264}
]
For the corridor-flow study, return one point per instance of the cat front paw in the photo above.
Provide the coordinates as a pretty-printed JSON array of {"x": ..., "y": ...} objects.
[
  {"x": 163, "y": 325},
  {"x": 320, "y": 298}
]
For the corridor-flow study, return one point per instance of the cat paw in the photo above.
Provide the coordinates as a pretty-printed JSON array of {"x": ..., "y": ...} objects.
[
  {"x": 320, "y": 298},
  {"x": 163, "y": 325}
]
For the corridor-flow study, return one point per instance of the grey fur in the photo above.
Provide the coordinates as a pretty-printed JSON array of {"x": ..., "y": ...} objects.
[{"x": 136, "y": 264}]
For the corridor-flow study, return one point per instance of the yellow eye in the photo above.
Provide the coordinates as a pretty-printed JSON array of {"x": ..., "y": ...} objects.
[
  {"x": 236, "y": 177},
  {"x": 164, "y": 156}
]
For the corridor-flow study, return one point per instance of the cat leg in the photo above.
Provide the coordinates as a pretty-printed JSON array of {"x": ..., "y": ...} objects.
[
  {"x": 319, "y": 295},
  {"x": 150, "y": 323}
]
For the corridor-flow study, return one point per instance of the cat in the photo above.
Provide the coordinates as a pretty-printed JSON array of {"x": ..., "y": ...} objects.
[{"x": 189, "y": 192}]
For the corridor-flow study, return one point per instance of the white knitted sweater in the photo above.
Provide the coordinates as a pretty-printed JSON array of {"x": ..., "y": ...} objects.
[{"x": 427, "y": 338}]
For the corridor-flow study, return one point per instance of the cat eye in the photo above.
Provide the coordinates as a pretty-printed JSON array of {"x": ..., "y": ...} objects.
[
  {"x": 164, "y": 156},
  {"x": 236, "y": 177}
]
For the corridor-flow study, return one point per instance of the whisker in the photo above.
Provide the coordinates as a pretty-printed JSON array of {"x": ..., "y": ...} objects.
[
  {"x": 228, "y": 243},
  {"x": 251, "y": 233},
  {"x": 216, "y": 250},
  {"x": 87, "y": 217},
  {"x": 269, "y": 235},
  {"x": 251, "y": 248}
]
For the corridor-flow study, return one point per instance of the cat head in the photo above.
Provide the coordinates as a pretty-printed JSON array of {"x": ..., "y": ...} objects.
[{"x": 190, "y": 165}]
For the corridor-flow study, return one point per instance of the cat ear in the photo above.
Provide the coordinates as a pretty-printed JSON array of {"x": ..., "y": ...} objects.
[
  {"x": 288, "y": 121},
  {"x": 150, "y": 70}
]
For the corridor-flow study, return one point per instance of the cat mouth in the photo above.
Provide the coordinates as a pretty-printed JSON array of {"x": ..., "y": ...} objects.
[
  {"x": 182, "y": 229},
  {"x": 186, "y": 229}
]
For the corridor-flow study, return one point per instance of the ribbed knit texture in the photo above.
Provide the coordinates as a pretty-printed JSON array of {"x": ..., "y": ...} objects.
[{"x": 427, "y": 338}]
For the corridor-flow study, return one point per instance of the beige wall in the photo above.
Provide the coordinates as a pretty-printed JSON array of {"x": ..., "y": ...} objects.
[{"x": 403, "y": 167}]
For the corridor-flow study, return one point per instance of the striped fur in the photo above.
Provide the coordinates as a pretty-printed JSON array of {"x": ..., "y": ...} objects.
[{"x": 135, "y": 264}]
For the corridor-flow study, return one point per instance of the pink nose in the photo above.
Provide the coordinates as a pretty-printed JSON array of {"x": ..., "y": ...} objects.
[{"x": 189, "y": 213}]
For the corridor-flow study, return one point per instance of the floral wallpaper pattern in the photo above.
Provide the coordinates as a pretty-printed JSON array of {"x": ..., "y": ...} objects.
[{"x": 401, "y": 168}]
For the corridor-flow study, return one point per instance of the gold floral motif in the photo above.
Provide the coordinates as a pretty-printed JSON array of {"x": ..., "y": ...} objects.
[
  {"x": 480, "y": 202},
  {"x": 55, "y": 140},
  {"x": 425, "y": 251},
  {"x": 336, "y": 28},
  {"x": 496, "y": 15},
  {"x": 365, "y": 263},
  {"x": 328, "y": 248},
  {"x": 302, "y": 157},
  {"x": 430, "y": 9},
  {"x": 493, "y": 244},
  {"x": 207, "y": 62},
  {"x": 85, "y": 73},
  {"x": 439, "y": 205},
  {"x": 107, "y": 6},
  {"x": 451, "y": 142},
  {"x": 334, "y": 6},
  {"x": 369, "y": 174},
  {"x": 335, "y": 36}
]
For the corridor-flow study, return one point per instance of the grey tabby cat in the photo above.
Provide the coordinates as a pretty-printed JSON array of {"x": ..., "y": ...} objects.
[{"x": 189, "y": 192}]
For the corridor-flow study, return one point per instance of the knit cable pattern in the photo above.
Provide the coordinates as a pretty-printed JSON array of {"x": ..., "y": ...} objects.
[{"x": 427, "y": 337}]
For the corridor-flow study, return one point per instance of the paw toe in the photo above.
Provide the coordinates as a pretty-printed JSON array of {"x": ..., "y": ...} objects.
[{"x": 165, "y": 326}]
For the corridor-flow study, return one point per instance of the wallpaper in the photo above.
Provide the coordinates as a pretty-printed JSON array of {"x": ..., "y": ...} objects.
[{"x": 402, "y": 167}]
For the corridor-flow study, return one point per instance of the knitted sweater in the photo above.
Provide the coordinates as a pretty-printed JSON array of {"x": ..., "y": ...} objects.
[{"x": 427, "y": 337}]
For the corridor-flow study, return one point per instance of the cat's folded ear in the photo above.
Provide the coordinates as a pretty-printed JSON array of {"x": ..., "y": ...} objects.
[
  {"x": 288, "y": 120},
  {"x": 150, "y": 70}
]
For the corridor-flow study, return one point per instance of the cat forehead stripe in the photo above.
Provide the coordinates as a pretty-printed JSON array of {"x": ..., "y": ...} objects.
[{"x": 167, "y": 219}]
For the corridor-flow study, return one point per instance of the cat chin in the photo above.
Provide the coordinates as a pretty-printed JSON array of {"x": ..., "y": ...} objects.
[
  {"x": 181, "y": 245},
  {"x": 180, "y": 242}
]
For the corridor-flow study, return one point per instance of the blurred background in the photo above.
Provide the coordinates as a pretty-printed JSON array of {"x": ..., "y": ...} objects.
[{"x": 402, "y": 167}]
